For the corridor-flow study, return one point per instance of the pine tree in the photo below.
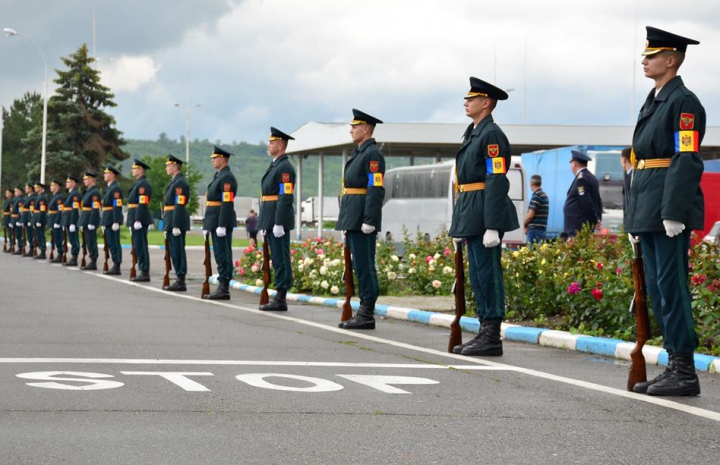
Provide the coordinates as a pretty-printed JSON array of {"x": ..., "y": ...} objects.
[
  {"x": 80, "y": 134},
  {"x": 21, "y": 117}
]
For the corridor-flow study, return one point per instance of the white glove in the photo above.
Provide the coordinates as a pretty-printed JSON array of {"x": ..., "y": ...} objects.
[
  {"x": 91, "y": 227},
  {"x": 367, "y": 228},
  {"x": 165, "y": 234},
  {"x": 205, "y": 233},
  {"x": 176, "y": 232},
  {"x": 103, "y": 229},
  {"x": 137, "y": 225},
  {"x": 38, "y": 224},
  {"x": 115, "y": 226},
  {"x": 633, "y": 239},
  {"x": 72, "y": 228},
  {"x": 278, "y": 230},
  {"x": 673, "y": 228},
  {"x": 457, "y": 241},
  {"x": 221, "y": 231},
  {"x": 29, "y": 224},
  {"x": 491, "y": 238},
  {"x": 56, "y": 226},
  {"x": 11, "y": 225}
]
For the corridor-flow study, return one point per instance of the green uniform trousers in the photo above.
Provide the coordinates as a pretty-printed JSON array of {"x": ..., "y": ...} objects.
[
  {"x": 91, "y": 243},
  {"x": 280, "y": 252},
  {"x": 58, "y": 240},
  {"x": 177, "y": 253},
  {"x": 113, "y": 243},
  {"x": 362, "y": 247},
  {"x": 139, "y": 237},
  {"x": 40, "y": 238},
  {"x": 222, "y": 249},
  {"x": 486, "y": 278}
]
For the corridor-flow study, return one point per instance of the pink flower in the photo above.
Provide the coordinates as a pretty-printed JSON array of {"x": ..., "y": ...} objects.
[
  {"x": 292, "y": 252},
  {"x": 319, "y": 240},
  {"x": 698, "y": 279},
  {"x": 241, "y": 272},
  {"x": 237, "y": 262},
  {"x": 428, "y": 258},
  {"x": 436, "y": 284},
  {"x": 574, "y": 288},
  {"x": 446, "y": 252},
  {"x": 320, "y": 251},
  {"x": 618, "y": 270},
  {"x": 599, "y": 266},
  {"x": 597, "y": 293}
]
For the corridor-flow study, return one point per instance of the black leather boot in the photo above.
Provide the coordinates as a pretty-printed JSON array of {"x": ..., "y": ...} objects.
[
  {"x": 458, "y": 348},
  {"x": 30, "y": 253},
  {"x": 642, "y": 387},
  {"x": 221, "y": 293},
  {"x": 682, "y": 381},
  {"x": 177, "y": 286},
  {"x": 277, "y": 304},
  {"x": 143, "y": 277},
  {"x": 41, "y": 256},
  {"x": 114, "y": 271},
  {"x": 72, "y": 261},
  {"x": 363, "y": 319},
  {"x": 90, "y": 266},
  {"x": 488, "y": 343},
  {"x": 57, "y": 259}
]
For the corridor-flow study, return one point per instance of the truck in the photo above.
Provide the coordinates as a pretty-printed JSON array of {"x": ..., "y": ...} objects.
[{"x": 311, "y": 211}]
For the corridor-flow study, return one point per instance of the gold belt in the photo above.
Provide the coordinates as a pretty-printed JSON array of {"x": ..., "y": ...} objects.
[
  {"x": 67, "y": 209},
  {"x": 52, "y": 212},
  {"x": 87, "y": 209},
  {"x": 353, "y": 191},
  {"x": 169, "y": 208},
  {"x": 14, "y": 216},
  {"x": 25, "y": 210},
  {"x": 653, "y": 163},
  {"x": 132, "y": 205},
  {"x": 475, "y": 186},
  {"x": 107, "y": 209},
  {"x": 6, "y": 213},
  {"x": 269, "y": 198},
  {"x": 213, "y": 203}
]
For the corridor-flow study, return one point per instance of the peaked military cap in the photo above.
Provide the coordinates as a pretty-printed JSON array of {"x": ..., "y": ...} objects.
[
  {"x": 18, "y": 187},
  {"x": 276, "y": 134},
  {"x": 55, "y": 181},
  {"x": 659, "y": 40},
  {"x": 360, "y": 117},
  {"x": 89, "y": 174},
  {"x": 112, "y": 169},
  {"x": 171, "y": 159},
  {"x": 31, "y": 185},
  {"x": 480, "y": 88},
  {"x": 576, "y": 155},
  {"x": 70, "y": 177},
  {"x": 218, "y": 152},
  {"x": 138, "y": 164},
  {"x": 40, "y": 184}
]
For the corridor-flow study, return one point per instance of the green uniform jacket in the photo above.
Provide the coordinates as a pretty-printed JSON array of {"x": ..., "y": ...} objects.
[
  {"x": 28, "y": 210},
  {"x": 112, "y": 206},
  {"x": 483, "y": 157},
  {"x": 279, "y": 180},
  {"x": 7, "y": 211},
  {"x": 177, "y": 195},
  {"x": 91, "y": 208},
  {"x": 56, "y": 204},
  {"x": 18, "y": 204},
  {"x": 73, "y": 202},
  {"x": 140, "y": 195},
  {"x": 671, "y": 125},
  {"x": 222, "y": 189},
  {"x": 366, "y": 170},
  {"x": 41, "y": 210}
]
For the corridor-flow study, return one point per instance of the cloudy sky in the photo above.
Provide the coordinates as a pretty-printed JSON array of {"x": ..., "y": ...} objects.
[{"x": 251, "y": 64}]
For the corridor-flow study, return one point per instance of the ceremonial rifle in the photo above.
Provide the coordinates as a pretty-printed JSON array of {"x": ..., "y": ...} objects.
[
  {"x": 65, "y": 246},
  {"x": 107, "y": 252},
  {"x": 208, "y": 267},
  {"x": 349, "y": 283},
  {"x": 84, "y": 248},
  {"x": 264, "y": 298},
  {"x": 133, "y": 253},
  {"x": 52, "y": 243},
  {"x": 24, "y": 239},
  {"x": 459, "y": 290},
  {"x": 13, "y": 239},
  {"x": 166, "y": 278},
  {"x": 638, "y": 370},
  {"x": 5, "y": 235}
]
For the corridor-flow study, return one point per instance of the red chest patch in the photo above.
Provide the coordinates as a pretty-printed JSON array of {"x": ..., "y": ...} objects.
[
  {"x": 493, "y": 150},
  {"x": 374, "y": 166},
  {"x": 687, "y": 121}
]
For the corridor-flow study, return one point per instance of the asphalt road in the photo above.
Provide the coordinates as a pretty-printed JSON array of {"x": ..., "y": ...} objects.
[{"x": 98, "y": 370}]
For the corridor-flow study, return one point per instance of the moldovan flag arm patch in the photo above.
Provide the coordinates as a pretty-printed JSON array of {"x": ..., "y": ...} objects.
[
  {"x": 687, "y": 141},
  {"x": 286, "y": 188},
  {"x": 375, "y": 180},
  {"x": 180, "y": 200},
  {"x": 496, "y": 165},
  {"x": 228, "y": 196},
  {"x": 144, "y": 200},
  {"x": 117, "y": 202}
]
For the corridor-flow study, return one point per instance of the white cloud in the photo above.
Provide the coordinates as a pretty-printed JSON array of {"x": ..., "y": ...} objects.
[{"x": 128, "y": 73}]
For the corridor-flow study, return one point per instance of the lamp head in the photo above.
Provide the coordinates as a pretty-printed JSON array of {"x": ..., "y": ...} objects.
[{"x": 10, "y": 32}]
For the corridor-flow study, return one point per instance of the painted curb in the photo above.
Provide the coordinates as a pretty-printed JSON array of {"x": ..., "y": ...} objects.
[{"x": 541, "y": 336}]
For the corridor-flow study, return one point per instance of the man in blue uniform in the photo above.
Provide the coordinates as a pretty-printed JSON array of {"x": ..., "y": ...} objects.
[
  {"x": 90, "y": 218},
  {"x": 277, "y": 215},
  {"x": 139, "y": 218},
  {"x": 220, "y": 220},
  {"x": 55, "y": 212},
  {"x": 112, "y": 218},
  {"x": 177, "y": 221},
  {"x": 666, "y": 204},
  {"x": 360, "y": 215},
  {"x": 7, "y": 225},
  {"x": 71, "y": 218},
  {"x": 28, "y": 211},
  {"x": 582, "y": 204},
  {"x": 483, "y": 212},
  {"x": 39, "y": 220},
  {"x": 16, "y": 218}
]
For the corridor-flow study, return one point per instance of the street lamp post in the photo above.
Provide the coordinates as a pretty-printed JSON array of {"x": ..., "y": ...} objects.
[
  {"x": 187, "y": 132},
  {"x": 10, "y": 33}
]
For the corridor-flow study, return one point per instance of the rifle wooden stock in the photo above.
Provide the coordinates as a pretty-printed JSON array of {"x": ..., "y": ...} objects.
[
  {"x": 65, "y": 246},
  {"x": 638, "y": 370},
  {"x": 208, "y": 267},
  {"x": 459, "y": 290},
  {"x": 105, "y": 249},
  {"x": 52, "y": 244},
  {"x": 349, "y": 281},
  {"x": 22, "y": 243},
  {"x": 13, "y": 239},
  {"x": 166, "y": 278},
  {"x": 35, "y": 243},
  {"x": 84, "y": 249},
  {"x": 5, "y": 235},
  {"x": 133, "y": 254},
  {"x": 264, "y": 297}
]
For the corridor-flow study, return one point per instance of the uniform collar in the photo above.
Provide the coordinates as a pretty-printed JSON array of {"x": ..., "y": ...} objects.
[
  {"x": 365, "y": 144},
  {"x": 669, "y": 88}
]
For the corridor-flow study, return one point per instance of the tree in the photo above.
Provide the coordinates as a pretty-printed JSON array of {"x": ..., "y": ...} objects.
[
  {"x": 159, "y": 180},
  {"x": 23, "y": 115},
  {"x": 80, "y": 134}
]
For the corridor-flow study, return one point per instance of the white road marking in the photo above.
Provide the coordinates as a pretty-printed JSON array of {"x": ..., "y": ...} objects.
[
  {"x": 178, "y": 378},
  {"x": 318, "y": 384},
  {"x": 383, "y": 383}
]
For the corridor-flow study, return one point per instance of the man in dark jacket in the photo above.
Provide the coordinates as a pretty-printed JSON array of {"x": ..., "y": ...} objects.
[
  {"x": 483, "y": 212},
  {"x": 666, "y": 204},
  {"x": 112, "y": 218},
  {"x": 90, "y": 217},
  {"x": 55, "y": 212},
  {"x": 71, "y": 218},
  {"x": 176, "y": 220},
  {"x": 39, "y": 220},
  {"x": 583, "y": 204},
  {"x": 277, "y": 215},
  {"x": 139, "y": 218},
  {"x": 361, "y": 200}
]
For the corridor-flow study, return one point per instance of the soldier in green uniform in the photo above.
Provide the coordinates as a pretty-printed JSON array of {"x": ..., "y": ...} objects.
[
  {"x": 220, "y": 219},
  {"x": 8, "y": 227},
  {"x": 360, "y": 215},
  {"x": 71, "y": 218},
  {"x": 176, "y": 220},
  {"x": 39, "y": 220},
  {"x": 112, "y": 218},
  {"x": 28, "y": 211},
  {"x": 90, "y": 218},
  {"x": 55, "y": 212},
  {"x": 277, "y": 214},
  {"x": 139, "y": 218},
  {"x": 666, "y": 204},
  {"x": 483, "y": 212},
  {"x": 16, "y": 218}
]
